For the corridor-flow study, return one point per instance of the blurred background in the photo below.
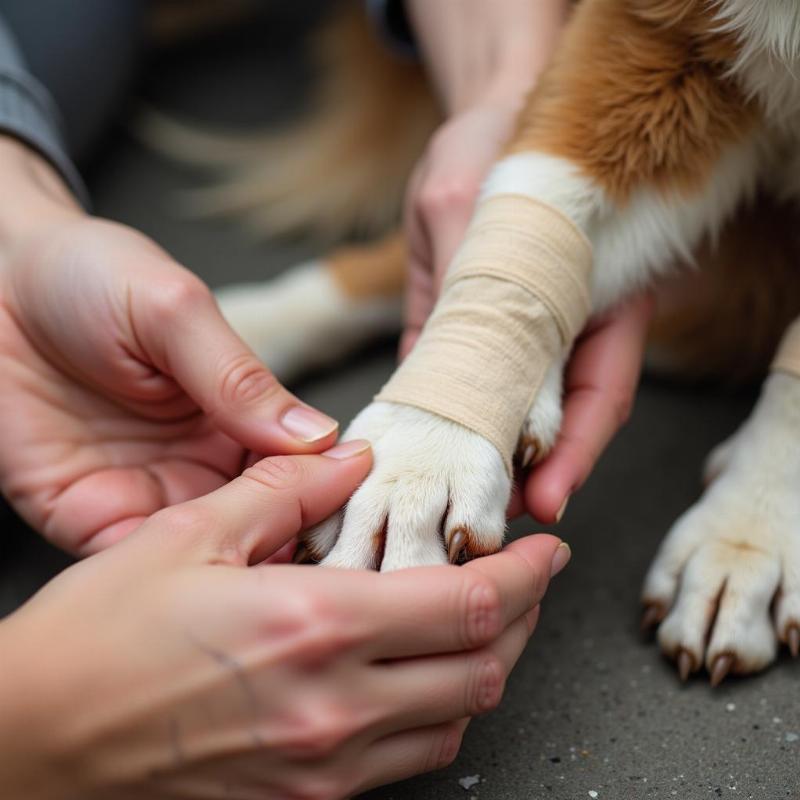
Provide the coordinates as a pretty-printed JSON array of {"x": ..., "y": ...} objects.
[{"x": 592, "y": 710}]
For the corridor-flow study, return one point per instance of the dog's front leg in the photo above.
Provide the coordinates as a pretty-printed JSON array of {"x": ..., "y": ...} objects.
[
  {"x": 445, "y": 427},
  {"x": 634, "y": 145},
  {"x": 735, "y": 554}
]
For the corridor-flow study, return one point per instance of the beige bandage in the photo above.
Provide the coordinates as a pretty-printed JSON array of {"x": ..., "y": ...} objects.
[
  {"x": 787, "y": 359},
  {"x": 516, "y": 294}
]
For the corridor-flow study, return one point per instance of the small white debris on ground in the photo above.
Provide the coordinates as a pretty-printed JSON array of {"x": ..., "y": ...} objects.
[
  {"x": 730, "y": 707},
  {"x": 468, "y": 781},
  {"x": 592, "y": 794},
  {"x": 792, "y": 737}
]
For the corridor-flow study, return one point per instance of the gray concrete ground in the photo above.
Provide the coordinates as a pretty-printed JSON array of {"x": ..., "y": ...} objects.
[{"x": 592, "y": 710}]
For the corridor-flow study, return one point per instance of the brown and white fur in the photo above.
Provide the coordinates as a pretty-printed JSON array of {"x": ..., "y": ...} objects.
[{"x": 658, "y": 123}]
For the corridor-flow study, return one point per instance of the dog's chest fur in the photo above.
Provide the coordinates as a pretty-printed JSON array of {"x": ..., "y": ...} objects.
[
  {"x": 768, "y": 65},
  {"x": 768, "y": 68}
]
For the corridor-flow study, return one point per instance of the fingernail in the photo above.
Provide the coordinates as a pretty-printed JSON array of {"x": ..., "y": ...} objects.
[
  {"x": 308, "y": 425},
  {"x": 560, "y": 512},
  {"x": 348, "y": 449},
  {"x": 560, "y": 559}
]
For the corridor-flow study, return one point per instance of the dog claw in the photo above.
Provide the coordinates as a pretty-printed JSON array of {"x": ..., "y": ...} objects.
[
  {"x": 720, "y": 669},
  {"x": 685, "y": 664},
  {"x": 455, "y": 546},
  {"x": 793, "y": 640},
  {"x": 652, "y": 616},
  {"x": 528, "y": 455}
]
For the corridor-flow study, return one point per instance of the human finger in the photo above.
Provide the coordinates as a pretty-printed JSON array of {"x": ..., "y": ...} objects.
[
  {"x": 439, "y": 688},
  {"x": 256, "y": 514},
  {"x": 464, "y": 608},
  {"x": 181, "y": 328},
  {"x": 403, "y": 755},
  {"x": 600, "y": 385}
]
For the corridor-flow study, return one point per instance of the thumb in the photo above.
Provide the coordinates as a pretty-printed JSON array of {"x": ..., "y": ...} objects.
[
  {"x": 191, "y": 342},
  {"x": 256, "y": 514}
]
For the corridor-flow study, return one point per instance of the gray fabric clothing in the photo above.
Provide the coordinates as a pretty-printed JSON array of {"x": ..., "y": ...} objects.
[
  {"x": 84, "y": 52},
  {"x": 65, "y": 64},
  {"x": 64, "y": 69},
  {"x": 28, "y": 112}
]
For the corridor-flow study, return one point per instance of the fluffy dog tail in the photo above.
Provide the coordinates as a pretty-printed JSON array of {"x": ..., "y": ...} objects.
[{"x": 339, "y": 169}]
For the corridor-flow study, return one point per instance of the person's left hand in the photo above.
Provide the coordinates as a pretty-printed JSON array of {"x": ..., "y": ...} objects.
[{"x": 123, "y": 389}]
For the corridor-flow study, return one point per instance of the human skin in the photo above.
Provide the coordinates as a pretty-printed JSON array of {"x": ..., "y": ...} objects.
[
  {"x": 184, "y": 659},
  {"x": 483, "y": 59},
  {"x": 124, "y": 390},
  {"x": 179, "y": 664}
]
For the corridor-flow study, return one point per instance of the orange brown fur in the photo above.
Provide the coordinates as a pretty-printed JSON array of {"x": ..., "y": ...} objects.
[
  {"x": 371, "y": 271},
  {"x": 656, "y": 106}
]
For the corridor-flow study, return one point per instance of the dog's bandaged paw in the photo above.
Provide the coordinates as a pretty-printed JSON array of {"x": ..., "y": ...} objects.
[
  {"x": 437, "y": 493},
  {"x": 726, "y": 580}
]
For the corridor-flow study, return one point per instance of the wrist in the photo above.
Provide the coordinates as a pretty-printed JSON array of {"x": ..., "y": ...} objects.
[
  {"x": 506, "y": 87},
  {"x": 478, "y": 52},
  {"x": 33, "y": 194}
]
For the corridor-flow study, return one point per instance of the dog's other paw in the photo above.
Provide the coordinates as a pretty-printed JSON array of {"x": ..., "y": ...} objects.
[
  {"x": 302, "y": 320},
  {"x": 437, "y": 493},
  {"x": 543, "y": 421},
  {"x": 735, "y": 555}
]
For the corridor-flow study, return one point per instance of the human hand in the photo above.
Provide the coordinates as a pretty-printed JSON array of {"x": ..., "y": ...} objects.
[
  {"x": 440, "y": 200},
  {"x": 599, "y": 388},
  {"x": 123, "y": 388},
  {"x": 174, "y": 669},
  {"x": 482, "y": 59}
]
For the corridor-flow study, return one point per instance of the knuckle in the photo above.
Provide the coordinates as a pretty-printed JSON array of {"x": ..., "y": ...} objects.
[
  {"x": 321, "y": 733},
  {"x": 179, "y": 296},
  {"x": 244, "y": 380},
  {"x": 437, "y": 197},
  {"x": 319, "y": 633},
  {"x": 278, "y": 473},
  {"x": 482, "y": 616},
  {"x": 445, "y": 751},
  {"x": 486, "y": 684}
]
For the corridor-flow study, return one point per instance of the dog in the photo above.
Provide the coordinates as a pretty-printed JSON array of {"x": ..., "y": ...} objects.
[{"x": 667, "y": 133}]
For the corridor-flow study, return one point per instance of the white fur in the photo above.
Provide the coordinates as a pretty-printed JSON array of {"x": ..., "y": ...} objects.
[
  {"x": 430, "y": 477},
  {"x": 645, "y": 237},
  {"x": 543, "y": 421},
  {"x": 768, "y": 32},
  {"x": 770, "y": 26},
  {"x": 302, "y": 319},
  {"x": 549, "y": 179},
  {"x": 741, "y": 539}
]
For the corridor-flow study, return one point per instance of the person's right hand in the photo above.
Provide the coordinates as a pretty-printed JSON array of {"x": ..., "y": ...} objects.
[
  {"x": 166, "y": 667},
  {"x": 123, "y": 388}
]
